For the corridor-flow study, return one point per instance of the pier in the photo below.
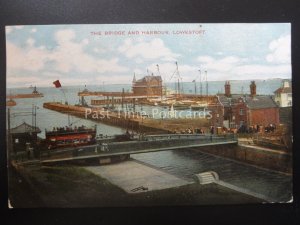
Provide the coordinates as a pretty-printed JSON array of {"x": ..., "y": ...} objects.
[{"x": 132, "y": 121}]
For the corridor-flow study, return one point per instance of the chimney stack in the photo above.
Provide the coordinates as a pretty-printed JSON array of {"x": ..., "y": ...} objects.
[
  {"x": 286, "y": 83},
  {"x": 252, "y": 89},
  {"x": 227, "y": 89}
]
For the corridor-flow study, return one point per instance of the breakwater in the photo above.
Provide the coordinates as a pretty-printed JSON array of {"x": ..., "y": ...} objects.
[{"x": 131, "y": 122}]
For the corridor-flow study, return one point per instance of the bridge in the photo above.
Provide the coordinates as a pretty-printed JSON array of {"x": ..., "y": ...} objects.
[{"x": 105, "y": 150}]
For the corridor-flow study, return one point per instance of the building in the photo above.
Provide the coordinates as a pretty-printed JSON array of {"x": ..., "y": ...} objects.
[
  {"x": 147, "y": 86},
  {"x": 24, "y": 135},
  {"x": 283, "y": 95},
  {"x": 248, "y": 110}
]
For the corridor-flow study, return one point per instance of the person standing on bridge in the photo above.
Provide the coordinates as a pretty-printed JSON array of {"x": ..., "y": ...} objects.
[
  {"x": 211, "y": 133},
  {"x": 212, "y": 129}
]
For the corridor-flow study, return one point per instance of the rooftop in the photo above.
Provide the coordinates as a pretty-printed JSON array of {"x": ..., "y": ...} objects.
[
  {"x": 149, "y": 78},
  {"x": 283, "y": 90},
  {"x": 255, "y": 102},
  {"x": 25, "y": 128}
]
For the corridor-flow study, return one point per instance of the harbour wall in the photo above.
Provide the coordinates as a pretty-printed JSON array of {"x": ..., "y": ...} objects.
[
  {"x": 254, "y": 155},
  {"x": 111, "y": 118}
]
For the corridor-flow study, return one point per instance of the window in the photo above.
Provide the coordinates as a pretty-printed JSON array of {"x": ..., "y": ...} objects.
[{"x": 242, "y": 111}]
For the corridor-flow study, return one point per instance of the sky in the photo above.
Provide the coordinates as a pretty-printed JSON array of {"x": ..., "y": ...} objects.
[{"x": 37, "y": 55}]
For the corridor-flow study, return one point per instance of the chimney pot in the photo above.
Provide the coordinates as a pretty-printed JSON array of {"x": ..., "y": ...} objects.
[
  {"x": 252, "y": 89},
  {"x": 227, "y": 89}
]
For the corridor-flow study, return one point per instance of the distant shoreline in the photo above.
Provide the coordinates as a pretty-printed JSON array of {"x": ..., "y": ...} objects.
[{"x": 101, "y": 85}]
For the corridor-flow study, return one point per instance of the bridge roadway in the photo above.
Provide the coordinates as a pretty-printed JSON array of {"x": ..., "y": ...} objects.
[{"x": 148, "y": 143}]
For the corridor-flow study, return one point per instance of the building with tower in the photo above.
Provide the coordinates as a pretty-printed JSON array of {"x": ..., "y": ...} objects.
[{"x": 147, "y": 86}]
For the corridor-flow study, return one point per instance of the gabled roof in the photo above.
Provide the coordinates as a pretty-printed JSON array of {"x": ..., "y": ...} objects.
[
  {"x": 149, "y": 78},
  {"x": 260, "y": 102},
  {"x": 256, "y": 102},
  {"x": 24, "y": 128},
  {"x": 283, "y": 90},
  {"x": 227, "y": 101}
]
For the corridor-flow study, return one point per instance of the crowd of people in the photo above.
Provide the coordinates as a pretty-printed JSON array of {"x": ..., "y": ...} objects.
[
  {"x": 257, "y": 129},
  {"x": 68, "y": 129},
  {"x": 189, "y": 131}
]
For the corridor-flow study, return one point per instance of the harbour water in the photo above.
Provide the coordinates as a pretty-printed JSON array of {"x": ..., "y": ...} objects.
[
  {"x": 186, "y": 162},
  {"x": 183, "y": 163},
  {"x": 47, "y": 119}
]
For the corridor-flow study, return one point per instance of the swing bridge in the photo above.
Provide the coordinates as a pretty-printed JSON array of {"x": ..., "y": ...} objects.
[{"x": 107, "y": 149}]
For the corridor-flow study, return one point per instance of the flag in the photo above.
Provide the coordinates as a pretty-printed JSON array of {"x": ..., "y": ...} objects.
[{"x": 57, "y": 84}]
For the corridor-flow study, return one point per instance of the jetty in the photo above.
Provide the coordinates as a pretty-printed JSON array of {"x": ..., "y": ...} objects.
[{"x": 128, "y": 120}]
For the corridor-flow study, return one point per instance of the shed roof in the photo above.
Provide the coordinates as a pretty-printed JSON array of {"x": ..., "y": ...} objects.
[{"x": 24, "y": 128}]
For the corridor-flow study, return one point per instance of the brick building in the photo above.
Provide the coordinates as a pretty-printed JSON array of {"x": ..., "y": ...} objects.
[
  {"x": 147, "y": 86},
  {"x": 248, "y": 110}
]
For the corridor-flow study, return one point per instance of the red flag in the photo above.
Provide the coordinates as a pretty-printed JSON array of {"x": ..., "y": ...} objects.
[{"x": 57, "y": 84}]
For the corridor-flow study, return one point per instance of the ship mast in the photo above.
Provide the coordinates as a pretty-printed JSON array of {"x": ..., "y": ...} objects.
[
  {"x": 177, "y": 75},
  {"x": 158, "y": 72},
  {"x": 200, "y": 83},
  {"x": 206, "y": 83}
]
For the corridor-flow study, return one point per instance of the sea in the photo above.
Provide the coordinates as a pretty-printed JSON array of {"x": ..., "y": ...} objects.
[{"x": 47, "y": 119}]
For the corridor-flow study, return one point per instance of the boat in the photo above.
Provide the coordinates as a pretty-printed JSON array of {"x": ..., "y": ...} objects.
[
  {"x": 11, "y": 102},
  {"x": 34, "y": 94},
  {"x": 63, "y": 137}
]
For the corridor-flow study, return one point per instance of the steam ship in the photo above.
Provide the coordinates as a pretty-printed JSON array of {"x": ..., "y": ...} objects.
[{"x": 34, "y": 94}]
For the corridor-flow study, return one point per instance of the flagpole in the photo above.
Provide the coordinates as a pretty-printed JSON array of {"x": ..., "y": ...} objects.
[
  {"x": 58, "y": 85},
  {"x": 67, "y": 103}
]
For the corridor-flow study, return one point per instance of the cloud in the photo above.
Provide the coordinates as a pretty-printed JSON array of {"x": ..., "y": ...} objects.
[
  {"x": 267, "y": 71},
  {"x": 221, "y": 65},
  {"x": 28, "y": 59},
  {"x": 236, "y": 68},
  {"x": 138, "y": 60},
  {"x": 113, "y": 79},
  {"x": 280, "y": 50},
  {"x": 30, "y": 42},
  {"x": 154, "y": 49},
  {"x": 21, "y": 81},
  {"x": 68, "y": 56}
]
